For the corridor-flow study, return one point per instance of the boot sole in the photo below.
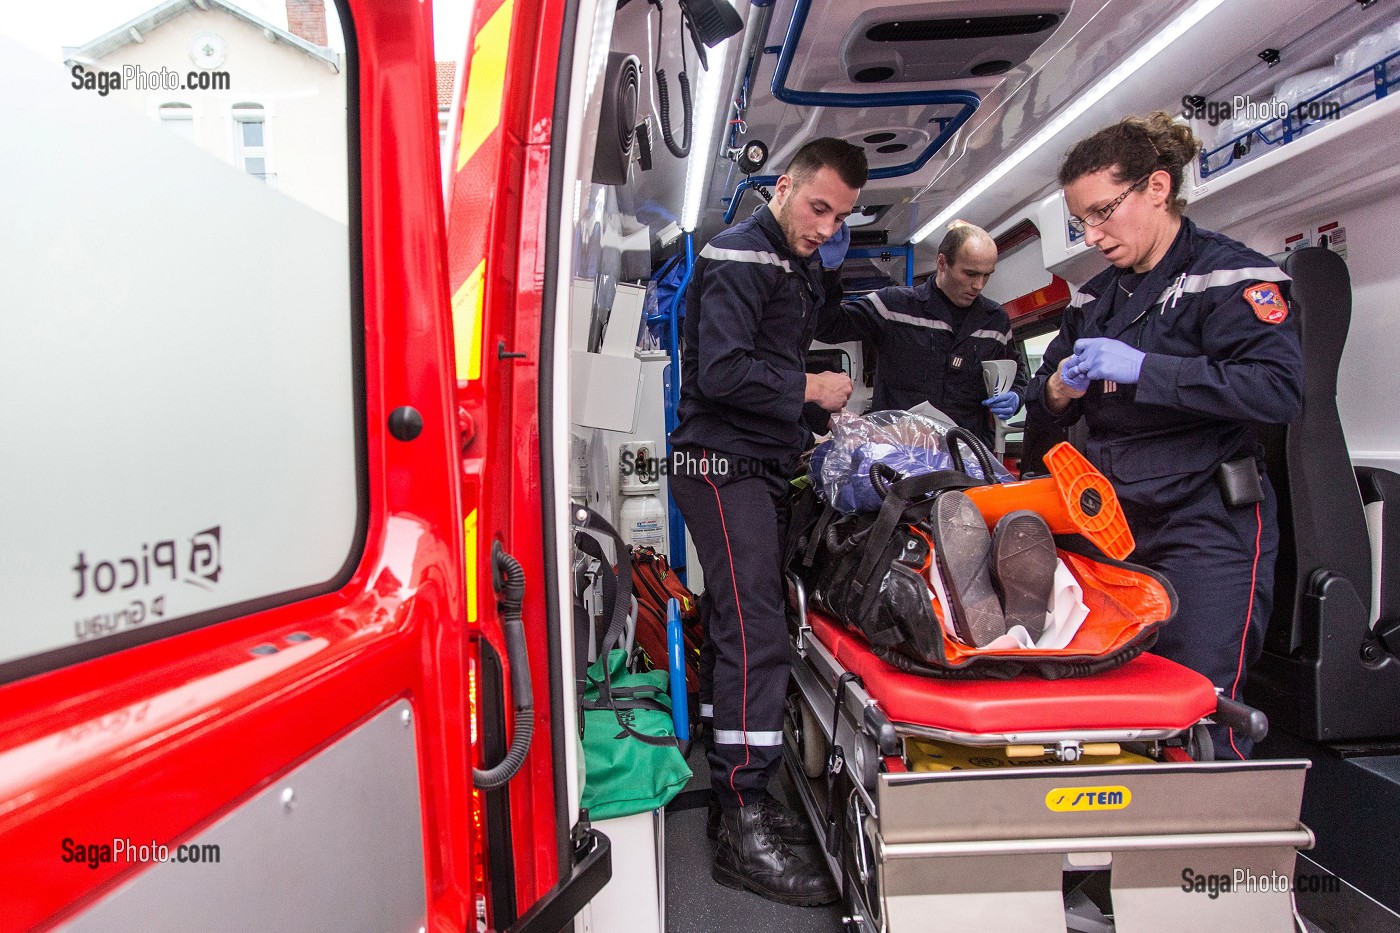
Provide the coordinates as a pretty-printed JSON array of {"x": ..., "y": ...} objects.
[
  {"x": 1023, "y": 552},
  {"x": 963, "y": 551},
  {"x": 733, "y": 879}
]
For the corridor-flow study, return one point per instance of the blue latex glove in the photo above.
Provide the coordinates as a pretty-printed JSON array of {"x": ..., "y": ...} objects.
[
  {"x": 1105, "y": 358},
  {"x": 1073, "y": 375},
  {"x": 833, "y": 251},
  {"x": 1004, "y": 405}
]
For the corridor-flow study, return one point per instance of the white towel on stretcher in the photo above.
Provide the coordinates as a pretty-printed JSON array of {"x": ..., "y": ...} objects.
[{"x": 1065, "y": 614}]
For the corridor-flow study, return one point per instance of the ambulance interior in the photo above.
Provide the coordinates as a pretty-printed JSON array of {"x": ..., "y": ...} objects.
[{"x": 965, "y": 110}]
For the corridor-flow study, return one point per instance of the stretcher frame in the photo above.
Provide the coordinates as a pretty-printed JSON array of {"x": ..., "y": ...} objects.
[{"x": 982, "y": 850}]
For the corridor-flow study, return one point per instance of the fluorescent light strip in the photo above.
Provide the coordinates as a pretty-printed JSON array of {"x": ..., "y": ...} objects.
[
  {"x": 1175, "y": 30},
  {"x": 708, "y": 100}
]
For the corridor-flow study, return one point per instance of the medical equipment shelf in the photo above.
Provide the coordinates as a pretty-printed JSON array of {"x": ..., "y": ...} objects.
[{"x": 1315, "y": 110}]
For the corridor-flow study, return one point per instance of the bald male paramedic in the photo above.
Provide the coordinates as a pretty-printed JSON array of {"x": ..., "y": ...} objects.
[{"x": 931, "y": 340}]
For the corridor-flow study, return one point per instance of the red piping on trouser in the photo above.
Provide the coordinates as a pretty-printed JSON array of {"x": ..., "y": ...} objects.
[
  {"x": 743, "y": 642},
  {"x": 1249, "y": 614}
]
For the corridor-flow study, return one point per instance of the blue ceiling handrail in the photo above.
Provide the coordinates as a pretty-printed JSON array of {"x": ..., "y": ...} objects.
[
  {"x": 1299, "y": 117},
  {"x": 967, "y": 103},
  {"x": 887, "y": 252},
  {"x": 787, "y": 95}
]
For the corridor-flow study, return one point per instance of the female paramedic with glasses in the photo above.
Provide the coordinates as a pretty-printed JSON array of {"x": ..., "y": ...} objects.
[{"x": 1172, "y": 355}]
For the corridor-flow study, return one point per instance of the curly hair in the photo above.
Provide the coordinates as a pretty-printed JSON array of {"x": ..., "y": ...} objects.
[{"x": 1134, "y": 147}]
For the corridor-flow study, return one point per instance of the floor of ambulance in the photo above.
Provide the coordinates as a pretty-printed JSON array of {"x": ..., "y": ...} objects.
[{"x": 696, "y": 903}]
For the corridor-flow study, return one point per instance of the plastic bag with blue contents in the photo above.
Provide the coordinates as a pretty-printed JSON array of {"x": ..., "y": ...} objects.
[{"x": 907, "y": 443}]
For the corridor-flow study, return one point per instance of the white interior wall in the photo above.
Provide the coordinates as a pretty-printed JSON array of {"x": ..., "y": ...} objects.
[
  {"x": 1368, "y": 384},
  {"x": 1019, "y": 271}
]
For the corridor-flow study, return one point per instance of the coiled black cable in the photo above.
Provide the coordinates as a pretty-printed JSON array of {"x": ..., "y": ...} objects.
[
  {"x": 664, "y": 94},
  {"x": 510, "y": 584}
]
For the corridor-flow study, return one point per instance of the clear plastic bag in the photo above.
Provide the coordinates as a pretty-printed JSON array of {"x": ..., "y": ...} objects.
[
  {"x": 1368, "y": 51},
  {"x": 907, "y": 443},
  {"x": 1361, "y": 55},
  {"x": 1303, "y": 87}
]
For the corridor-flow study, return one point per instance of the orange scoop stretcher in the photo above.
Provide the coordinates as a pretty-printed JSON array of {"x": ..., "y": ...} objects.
[{"x": 1074, "y": 499}]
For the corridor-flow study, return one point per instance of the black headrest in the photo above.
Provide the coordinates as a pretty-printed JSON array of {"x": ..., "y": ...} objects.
[{"x": 1321, "y": 299}]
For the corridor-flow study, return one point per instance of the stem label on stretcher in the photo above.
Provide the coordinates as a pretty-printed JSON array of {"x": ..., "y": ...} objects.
[{"x": 1079, "y": 799}]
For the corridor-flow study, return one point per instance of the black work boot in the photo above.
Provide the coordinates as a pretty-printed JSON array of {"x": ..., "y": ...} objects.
[
  {"x": 962, "y": 557},
  {"x": 1023, "y": 560},
  {"x": 792, "y": 827},
  {"x": 752, "y": 856}
]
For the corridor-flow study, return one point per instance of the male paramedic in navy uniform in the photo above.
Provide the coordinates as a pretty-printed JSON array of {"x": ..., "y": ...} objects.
[
  {"x": 753, "y": 302},
  {"x": 931, "y": 340}
]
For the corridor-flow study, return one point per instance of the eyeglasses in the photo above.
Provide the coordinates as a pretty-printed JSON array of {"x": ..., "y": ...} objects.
[{"x": 1096, "y": 217}]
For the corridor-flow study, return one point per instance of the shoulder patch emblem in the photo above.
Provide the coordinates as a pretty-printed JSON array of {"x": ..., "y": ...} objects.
[{"x": 1267, "y": 302}]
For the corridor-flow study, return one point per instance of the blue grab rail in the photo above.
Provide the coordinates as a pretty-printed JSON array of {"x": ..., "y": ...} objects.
[
  {"x": 1301, "y": 116},
  {"x": 675, "y": 652},
  {"x": 676, "y": 525},
  {"x": 966, "y": 101},
  {"x": 880, "y": 252}
]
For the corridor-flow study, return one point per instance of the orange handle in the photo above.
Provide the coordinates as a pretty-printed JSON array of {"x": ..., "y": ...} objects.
[{"x": 1074, "y": 499}]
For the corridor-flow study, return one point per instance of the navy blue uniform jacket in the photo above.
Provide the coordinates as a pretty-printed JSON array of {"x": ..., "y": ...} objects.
[
  {"x": 752, "y": 308},
  {"x": 1222, "y": 355},
  {"x": 924, "y": 355}
]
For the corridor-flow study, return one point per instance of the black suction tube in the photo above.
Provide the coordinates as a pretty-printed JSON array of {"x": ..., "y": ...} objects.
[{"x": 509, "y": 580}]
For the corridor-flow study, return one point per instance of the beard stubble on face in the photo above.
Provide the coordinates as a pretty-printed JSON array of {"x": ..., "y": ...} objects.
[
  {"x": 785, "y": 225},
  {"x": 783, "y": 216}
]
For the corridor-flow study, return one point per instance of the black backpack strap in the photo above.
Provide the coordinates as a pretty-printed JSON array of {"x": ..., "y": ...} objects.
[
  {"x": 620, "y": 599},
  {"x": 809, "y": 556},
  {"x": 880, "y": 537},
  {"x": 617, "y": 601},
  {"x": 606, "y": 575}
]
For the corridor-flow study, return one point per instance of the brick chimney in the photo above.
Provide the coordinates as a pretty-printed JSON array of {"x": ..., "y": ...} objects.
[{"x": 307, "y": 19}]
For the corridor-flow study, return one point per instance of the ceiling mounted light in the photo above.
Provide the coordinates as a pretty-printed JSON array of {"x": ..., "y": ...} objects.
[
  {"x": 1076, "y": 109},
  {"x": 752, "y": 157}
]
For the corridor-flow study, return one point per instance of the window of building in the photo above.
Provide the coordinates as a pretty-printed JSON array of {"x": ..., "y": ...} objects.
[
  {"x": 179, "y": 119},
  {"x": 250, "y": 140}
]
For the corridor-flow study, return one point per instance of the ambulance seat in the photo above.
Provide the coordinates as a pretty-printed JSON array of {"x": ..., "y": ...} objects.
[
  {"x": 1324, "y": 674},
  {"x": 1380, "y": 492}
]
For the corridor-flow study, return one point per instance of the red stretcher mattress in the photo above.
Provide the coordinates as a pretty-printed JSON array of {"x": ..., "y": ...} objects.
[{"x": 1148, "y": 692}]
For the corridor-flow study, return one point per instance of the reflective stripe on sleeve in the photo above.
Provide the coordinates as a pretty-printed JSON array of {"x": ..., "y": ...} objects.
[
  {"x": 754, "y": 256},
  {"x": 898, "y": 318},
  {"x": 735, "y": 737}
]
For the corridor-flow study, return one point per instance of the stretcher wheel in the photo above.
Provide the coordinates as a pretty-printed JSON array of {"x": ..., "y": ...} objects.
[
  {"x": 1199, "y": 745},
  {"x": 862, "y": 862},
  {"x": 807, "y": 736}
]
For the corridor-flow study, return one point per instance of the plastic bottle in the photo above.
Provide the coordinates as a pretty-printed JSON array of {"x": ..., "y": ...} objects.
[{"x": 644, "y": 522}]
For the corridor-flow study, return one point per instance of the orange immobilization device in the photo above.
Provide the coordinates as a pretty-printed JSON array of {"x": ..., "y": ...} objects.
[{"x": 1074, "y": 499}]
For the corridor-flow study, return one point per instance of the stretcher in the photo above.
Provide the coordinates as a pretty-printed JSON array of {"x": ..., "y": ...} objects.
[{"x": 962, "y": 804}]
